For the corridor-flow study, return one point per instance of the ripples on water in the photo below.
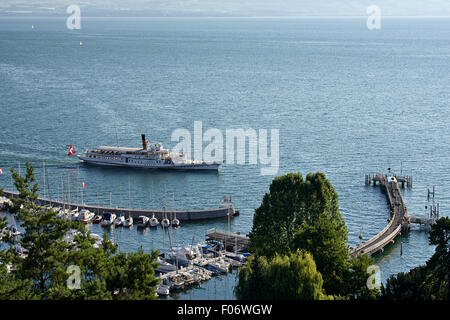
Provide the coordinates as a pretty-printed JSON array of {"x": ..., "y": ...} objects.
[{"x": 348, "y": 101}]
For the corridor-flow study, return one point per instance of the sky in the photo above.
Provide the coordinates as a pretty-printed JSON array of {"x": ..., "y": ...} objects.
[{"x": 233, "y": 8}]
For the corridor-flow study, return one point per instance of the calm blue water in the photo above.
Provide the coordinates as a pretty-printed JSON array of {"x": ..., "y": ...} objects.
[{"x": 347, "y": 101}]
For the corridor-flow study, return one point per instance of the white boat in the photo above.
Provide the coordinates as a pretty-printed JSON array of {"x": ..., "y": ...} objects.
[
  {"x": 3, "y": 202},
  {"x": 153, "y": 221},
  {"x": 142, "y": 221},
  {"x": 128, "y": 222},
  {"x": 11, "y": 231},
  {"x": 70, "y": 236},
  {"x": 85, "y": 216},
  {"x": 119, "y": 221},
  {"x": 74, "y": 215},
  {"x": 108, "y": 219},
  {"x": 182, "y": 257},
  {"x": 98, "y": 240},
  {"x": 149, "y": 156},
  {"x": 164, "y": 266},
  {"x": 175, "y": 222},
  {"x": 21, "y": 251},
  {"x": 162, "y": 290},
  {"x": 220, "y": 265},
  {"x": 165, "y": 223}
]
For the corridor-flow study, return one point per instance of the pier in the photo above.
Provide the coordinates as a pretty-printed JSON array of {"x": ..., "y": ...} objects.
[
  {"x": 399, "y": 216},
  {"x": 226, "y": 210},
  {"x": 229, "y": 239}
]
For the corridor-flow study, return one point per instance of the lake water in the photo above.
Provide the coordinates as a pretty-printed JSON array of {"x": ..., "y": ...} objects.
[{"x": 347, "y": 101}]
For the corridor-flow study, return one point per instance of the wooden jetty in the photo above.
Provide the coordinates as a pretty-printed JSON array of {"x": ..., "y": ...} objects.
[
  {"x": 226, "y": 210},
  {"x": 399, "y": 216},
  {"x": 229, "y": 239}
]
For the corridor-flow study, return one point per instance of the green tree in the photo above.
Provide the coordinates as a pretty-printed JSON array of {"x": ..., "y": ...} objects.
[
  {"x": 355, "y": 279},
  {"x": 440, "y": 236},
  {"x": 42, "y": 274},
  {"x": 289, "y": 277},
  {"x": 132, "y": 276},
  {"x": 303, "y": 214},
  {"x": 427, "y": 282}
]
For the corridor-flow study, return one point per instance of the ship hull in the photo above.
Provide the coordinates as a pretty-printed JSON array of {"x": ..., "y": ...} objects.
[{"x": 148, "y": 165}]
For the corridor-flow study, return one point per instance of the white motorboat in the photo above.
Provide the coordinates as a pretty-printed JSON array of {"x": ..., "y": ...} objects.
[
  {"x": 162, "y": 290},
  {"x": 98, "y": 240},
  {"x": 220, "y": 266},
  {"x": 11, "y": 231},
  {"x": 182, "y": 257},
  {"x": 164, "y": 266},
  {"x": 142, "y": 221},
  {"x": 74, "y": 215},
  {"x": 86, "y": 216},
  {"x": 108, "y": 219},
  {"x": 119, "y": 221},
  {"x": 128, "y": 222},
  {"x": 151, "y": 157}
]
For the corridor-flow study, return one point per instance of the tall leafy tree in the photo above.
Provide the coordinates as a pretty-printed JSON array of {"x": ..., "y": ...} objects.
[
  {"x": 303, "y": 214},
  {"x": 288, "y": 277}
]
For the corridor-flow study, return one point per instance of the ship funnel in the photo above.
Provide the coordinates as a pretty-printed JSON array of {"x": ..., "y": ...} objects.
[{"x": 144, "y": 142}]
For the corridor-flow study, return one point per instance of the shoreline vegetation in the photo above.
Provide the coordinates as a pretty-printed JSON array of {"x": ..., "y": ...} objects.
[{"x": 298, "y": 246}]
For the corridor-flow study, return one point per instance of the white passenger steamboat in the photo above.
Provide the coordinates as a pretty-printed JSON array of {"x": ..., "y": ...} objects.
[{"x": 149, "y": 156}]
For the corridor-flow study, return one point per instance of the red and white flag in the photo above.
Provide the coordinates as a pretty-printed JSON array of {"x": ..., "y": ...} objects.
[
  {"x": 84, "y": 185},
  {"x": 1, "y": 171},
  {"x": 71, "y": 151}
]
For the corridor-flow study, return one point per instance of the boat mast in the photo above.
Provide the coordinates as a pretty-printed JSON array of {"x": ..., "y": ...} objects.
[
  {"x": 173, "y": 201},
  {"x": 129, "y": 203},
  {"x": 48, "y": 188},
  {"x": 63, "y": 198},
  {"x": 43, "y": 173},
  {"x": 78, "y": 185},
  {"x": 120, "y": 204},
  {"x": 68, "y": 190},
  {"x": 115, "y": 128},
  {"x": 98, "y": 204}
]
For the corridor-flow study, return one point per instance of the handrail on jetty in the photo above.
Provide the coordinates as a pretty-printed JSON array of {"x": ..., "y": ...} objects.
[{"x": 399, "y": 217}]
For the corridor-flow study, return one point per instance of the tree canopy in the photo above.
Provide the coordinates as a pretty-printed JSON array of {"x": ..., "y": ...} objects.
[
  {"x": 43, "y": 273},
  {"x": 303, "y": 214},
  {"x": 427, "y": 282},
  {"x": 289, "y": 277}
]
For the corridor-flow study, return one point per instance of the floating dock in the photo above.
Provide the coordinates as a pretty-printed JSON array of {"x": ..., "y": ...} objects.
[{"x": 182, "y": 215}]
